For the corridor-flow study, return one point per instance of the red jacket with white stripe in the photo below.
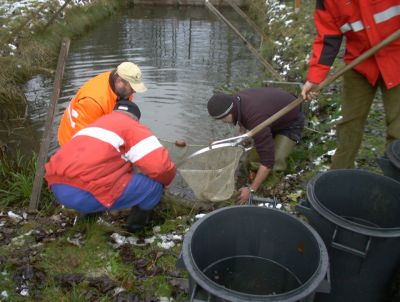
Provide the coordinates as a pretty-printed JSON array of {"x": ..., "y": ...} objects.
[
  {"x": 99, "y": 159},
  {"x": 364, "y": 23}
]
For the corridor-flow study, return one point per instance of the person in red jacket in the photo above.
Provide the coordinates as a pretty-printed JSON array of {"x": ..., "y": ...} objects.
[
  {"x": 93, "y": 172},
  {"x": 98, "y": 96},
  {"x": 363, "y": 24}
]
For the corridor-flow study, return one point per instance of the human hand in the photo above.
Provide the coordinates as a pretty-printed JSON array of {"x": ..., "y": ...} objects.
[
  {"x": 244, "y": 194},
  {"x": 307, "y": 92}
]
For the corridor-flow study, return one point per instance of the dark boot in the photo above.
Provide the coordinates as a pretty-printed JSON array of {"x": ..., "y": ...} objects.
[{"x": 138, "y": 219}]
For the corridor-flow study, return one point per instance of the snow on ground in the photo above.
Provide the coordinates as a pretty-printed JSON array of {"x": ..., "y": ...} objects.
[
  {"x": 13, "y": 14},
  {"x": 13, "y": 9}
]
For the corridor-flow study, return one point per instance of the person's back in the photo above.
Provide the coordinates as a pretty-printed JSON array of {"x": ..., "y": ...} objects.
[
  {"x": 93, "y": 172},
  {"x": 98, "y": 97},
  {"x": 257, "y": 104},
  {"x": 99, "y": 159},
  {"x": 94, "y": 99}
]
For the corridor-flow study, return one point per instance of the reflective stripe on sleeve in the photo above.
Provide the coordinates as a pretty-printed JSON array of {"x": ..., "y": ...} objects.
[
  {"x": 104, "y": 135},
  {"x": 143, "y": 148},
  {"x": 72, "y": 113},
  {"x": 387, "y": 14},
  {"x": 354, "y": 26}
]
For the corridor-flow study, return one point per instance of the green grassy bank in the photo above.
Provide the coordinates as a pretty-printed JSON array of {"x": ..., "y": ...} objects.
[{"x": 32, "y": 41}]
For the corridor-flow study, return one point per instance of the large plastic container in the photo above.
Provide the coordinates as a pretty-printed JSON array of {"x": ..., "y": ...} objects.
[
  {"x": 249, "y": 253},
  {"x": 390, "y": 162},
  {"x": 357, "y": 213}
]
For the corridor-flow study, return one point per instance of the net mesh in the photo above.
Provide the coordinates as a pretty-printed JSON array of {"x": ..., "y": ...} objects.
[{"x": 210, "y": 175}]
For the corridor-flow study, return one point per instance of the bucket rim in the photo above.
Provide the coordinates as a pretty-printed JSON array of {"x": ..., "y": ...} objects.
[
  {"x": 339, "y": 220},
  {"x": 305, "y": 289},
  {"x": 394, "y": 158}
]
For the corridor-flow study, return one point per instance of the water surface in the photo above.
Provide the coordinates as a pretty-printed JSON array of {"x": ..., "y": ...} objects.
[{"x": 185, "y": 54}]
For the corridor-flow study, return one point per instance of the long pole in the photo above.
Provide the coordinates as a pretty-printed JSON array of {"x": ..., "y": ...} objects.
[
  {"x": 57, "y": 13},
  {"x": 46, "y": 139},
  {"x": 243, "y": 14},
  {"x": 268, "y": 66},
  {"x": 370, "y": 52}
]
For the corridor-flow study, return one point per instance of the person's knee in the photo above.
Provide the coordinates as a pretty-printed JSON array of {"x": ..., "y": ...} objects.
[{"x": 153, "y": 197}]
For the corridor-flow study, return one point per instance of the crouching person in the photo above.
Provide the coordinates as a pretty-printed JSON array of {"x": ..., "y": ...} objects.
[{"x": 94, "y": 171}]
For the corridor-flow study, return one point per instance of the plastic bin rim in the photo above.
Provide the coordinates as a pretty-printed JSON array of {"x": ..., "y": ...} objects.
[
  {"x": 339, "y": 220},
  {"x": 394, "y": 158},
  {"x": 215, "y": 289}
]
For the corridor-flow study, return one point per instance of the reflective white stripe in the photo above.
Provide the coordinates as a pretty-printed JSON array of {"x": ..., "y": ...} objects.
[
  {"x": 345, "y": 28},
  {"x": 104, "y": 135},
  {"x": 225, "y": 112},
  {"x": 75, "y": 113},
  {"x": 72, "y": 113},
  {"x": 143, "y": 148},
  {"x": 355, "y": 26},
  {"x": 387, "y": 14}
]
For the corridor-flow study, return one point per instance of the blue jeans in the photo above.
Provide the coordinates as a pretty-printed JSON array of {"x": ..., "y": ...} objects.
[{"x": 141, "y": 191}]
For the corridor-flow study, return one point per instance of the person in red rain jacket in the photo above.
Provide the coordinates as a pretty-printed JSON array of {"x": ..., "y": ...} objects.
[
  {"x": 93, "y": 172},
  {"x": 364, "y": 23}
]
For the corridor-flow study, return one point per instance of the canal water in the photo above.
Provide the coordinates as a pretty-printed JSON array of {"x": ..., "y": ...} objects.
[{"x": 185, "y": 53}]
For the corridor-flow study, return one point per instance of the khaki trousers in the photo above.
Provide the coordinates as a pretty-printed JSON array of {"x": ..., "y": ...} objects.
[{"x": 358, "y": 95}]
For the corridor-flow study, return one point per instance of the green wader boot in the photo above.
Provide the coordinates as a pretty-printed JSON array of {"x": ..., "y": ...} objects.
[{"x": 283, "y": 147}]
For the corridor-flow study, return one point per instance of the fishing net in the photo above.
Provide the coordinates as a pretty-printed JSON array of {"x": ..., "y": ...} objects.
[{"x": 209, "y": 174}]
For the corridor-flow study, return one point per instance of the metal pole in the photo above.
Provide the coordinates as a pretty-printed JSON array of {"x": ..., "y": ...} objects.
[
  {"x": 57, "y": 13},
  {"x": 268, "y": 66},
  {"x": 46, "y": 139},
  {"x": 249, "y": 21}
]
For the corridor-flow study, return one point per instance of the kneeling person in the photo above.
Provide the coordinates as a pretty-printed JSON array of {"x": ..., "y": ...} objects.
[
  {"x": 93, "y": 172},
  {"x": 274, "y": 143}
]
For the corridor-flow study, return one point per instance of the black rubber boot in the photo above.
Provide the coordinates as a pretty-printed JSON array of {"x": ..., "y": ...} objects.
[{"x": 138, "y": 219}]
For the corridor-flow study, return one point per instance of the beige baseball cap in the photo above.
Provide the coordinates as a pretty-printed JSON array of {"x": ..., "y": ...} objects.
[{"x": 131, "y": 73}]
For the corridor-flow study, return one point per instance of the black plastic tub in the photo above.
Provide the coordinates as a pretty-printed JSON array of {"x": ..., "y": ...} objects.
[
  {"x": 390, "y": 162},
  {"x": 249, "y": 253},
  {"x": 357, "y": 213}
]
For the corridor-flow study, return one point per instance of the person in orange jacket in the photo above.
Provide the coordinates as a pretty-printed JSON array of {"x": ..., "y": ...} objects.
[
  {"x": 363, "y": 24},
  {"x": 98, "y": 97},
  {"x": 94, "y": 171}
]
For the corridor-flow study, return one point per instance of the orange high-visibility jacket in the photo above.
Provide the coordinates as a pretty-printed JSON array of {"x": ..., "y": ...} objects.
[
  {"x": 100, "y": 158},
  {"x": 93, "y": 100},
  {"x": 364, "y": 23}
]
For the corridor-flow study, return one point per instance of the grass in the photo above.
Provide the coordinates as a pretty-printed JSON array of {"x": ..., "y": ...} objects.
[
  {"x": 17, "y": 175},
  {"x": 85, "y": 251},
  {"x": 38, "y": 48}
]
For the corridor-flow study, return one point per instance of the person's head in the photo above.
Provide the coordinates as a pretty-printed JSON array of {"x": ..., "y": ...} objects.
[
  {"x": 129, "y": 108},
  {"x": 128, "y": 80},
  {"x": 220, "y": 107}
]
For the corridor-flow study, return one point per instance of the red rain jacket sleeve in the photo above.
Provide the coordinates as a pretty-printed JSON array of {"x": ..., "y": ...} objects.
[
  {"x": 151, "y": 157},
  {"x": 326, "y": 45}
]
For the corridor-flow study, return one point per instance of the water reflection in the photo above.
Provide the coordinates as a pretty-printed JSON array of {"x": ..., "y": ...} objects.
[{"x": 184, "y": 54}]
